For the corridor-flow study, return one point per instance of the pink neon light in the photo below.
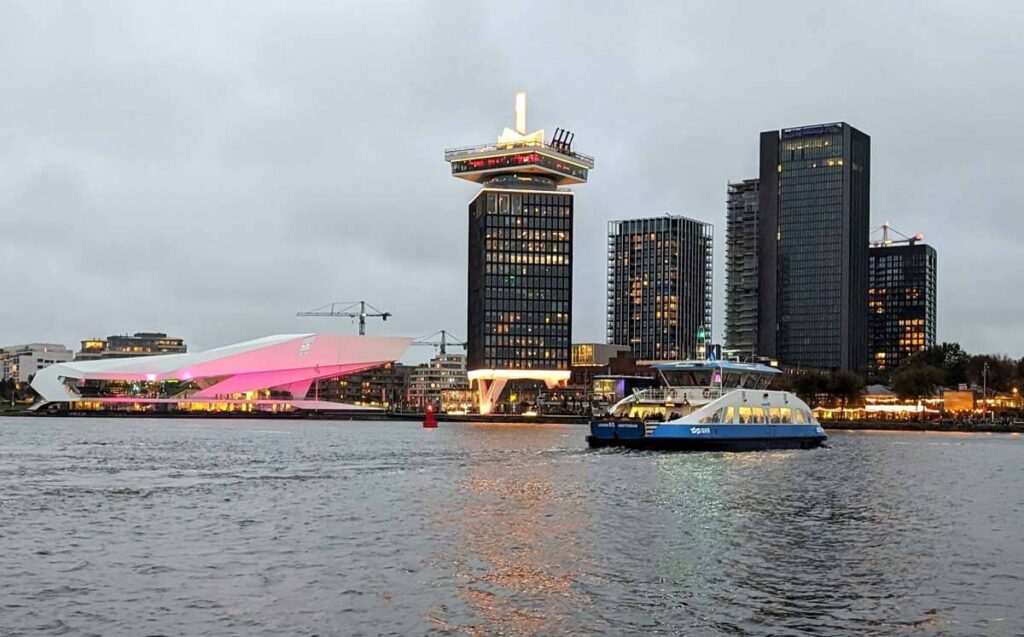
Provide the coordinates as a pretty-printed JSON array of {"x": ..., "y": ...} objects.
[{"x": 151, "y": 377}]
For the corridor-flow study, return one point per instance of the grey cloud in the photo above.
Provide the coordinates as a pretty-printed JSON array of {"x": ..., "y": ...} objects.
[{"x": 212, "y": 168}]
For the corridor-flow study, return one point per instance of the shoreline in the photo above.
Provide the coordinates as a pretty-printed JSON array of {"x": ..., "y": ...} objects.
[
  {"x": 541, "y": 419},
  {"x": 924, "y": 427}
]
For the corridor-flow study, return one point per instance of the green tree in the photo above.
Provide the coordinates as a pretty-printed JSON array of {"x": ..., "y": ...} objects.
[
  {"x": 919, "y": 381},
  {"x": 879, "y": 376},
  {"x": 948, "y": 357},
  {"x": 782, "y": 382},
  {"x": 809, "y": 385},
  {"x": 845, "y": 386},
  {"x": 1002, "y": 371}
]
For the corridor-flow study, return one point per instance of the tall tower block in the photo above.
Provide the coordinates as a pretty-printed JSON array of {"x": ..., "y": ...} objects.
[
  {"x": 519, "y": 319},
  {"x": 812, "y": 246}
]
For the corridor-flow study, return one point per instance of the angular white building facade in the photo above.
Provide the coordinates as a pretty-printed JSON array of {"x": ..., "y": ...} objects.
[{"x": 274, "y": 372}]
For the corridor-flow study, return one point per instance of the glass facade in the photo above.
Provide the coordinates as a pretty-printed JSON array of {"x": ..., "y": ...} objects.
[
  {"x": 660, "y": 277},
  {"x": 741, "y": 230},
  {"x": 901, "y": 302},
  {"x": 520, "y": 279},
  {"x": 811, "y": 248},
  {"x": 817, "y": 216}
]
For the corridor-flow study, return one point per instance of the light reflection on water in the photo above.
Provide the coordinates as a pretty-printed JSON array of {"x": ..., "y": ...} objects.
[{"x": 262, "y": 527}]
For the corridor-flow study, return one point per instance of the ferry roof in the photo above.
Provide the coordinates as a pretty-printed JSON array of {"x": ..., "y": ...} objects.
[{"x": 730, "y": 366}]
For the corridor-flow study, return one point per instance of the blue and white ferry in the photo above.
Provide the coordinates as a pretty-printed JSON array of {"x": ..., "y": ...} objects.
[{"x": 712, "y": 406}]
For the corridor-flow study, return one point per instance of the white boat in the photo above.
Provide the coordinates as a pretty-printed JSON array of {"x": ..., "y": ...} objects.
[
  {"x": 688, "y": 386},
  {"x": 709, "y": 405}
]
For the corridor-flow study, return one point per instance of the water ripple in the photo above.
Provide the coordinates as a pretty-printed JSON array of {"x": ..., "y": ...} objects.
[{"x": 266, "y": 528}]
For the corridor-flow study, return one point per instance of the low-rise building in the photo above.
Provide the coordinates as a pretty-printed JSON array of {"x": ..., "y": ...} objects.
[
  {"x": 21, "y": 362},
  {"x": 429, "y": 382},
  {"x": 593, "y": 359},
  {"x": 385, "y": 387},
  {"x": 125, "y": 346}
]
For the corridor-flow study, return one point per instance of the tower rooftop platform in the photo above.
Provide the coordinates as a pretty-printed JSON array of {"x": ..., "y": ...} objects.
[
  {"x": 478, "y": 163},
  {"x": 519, "y": 152}
]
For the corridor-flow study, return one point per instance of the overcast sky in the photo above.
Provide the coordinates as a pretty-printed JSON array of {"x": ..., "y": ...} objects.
[{"x": 209, "y": 169}]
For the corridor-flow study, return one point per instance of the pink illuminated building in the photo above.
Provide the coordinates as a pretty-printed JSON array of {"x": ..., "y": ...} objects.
[{"x": 275, "y": 373}]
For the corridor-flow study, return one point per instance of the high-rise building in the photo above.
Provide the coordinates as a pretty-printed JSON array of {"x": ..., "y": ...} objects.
[
  {"x": 519, "y": 319},
  {"x": 813, "y": 246},
  {"x": 660, "y": 276},
  {"x": 741, "y": 228},
  {"x": 901, "y": 301}
]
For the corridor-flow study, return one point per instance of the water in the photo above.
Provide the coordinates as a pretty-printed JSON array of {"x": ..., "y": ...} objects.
[{"x": 175, "y": 527}]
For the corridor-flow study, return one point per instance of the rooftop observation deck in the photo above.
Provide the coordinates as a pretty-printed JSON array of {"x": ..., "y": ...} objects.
[
  {"x": 477, "y": 163},
  {"x": 464, "y": 152}
]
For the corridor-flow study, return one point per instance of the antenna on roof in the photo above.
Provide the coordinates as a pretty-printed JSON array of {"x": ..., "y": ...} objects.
[{"x": 562, "y": 141}]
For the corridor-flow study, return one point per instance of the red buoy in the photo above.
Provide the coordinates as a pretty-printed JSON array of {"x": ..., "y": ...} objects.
[{"x": 429, "y": 419}]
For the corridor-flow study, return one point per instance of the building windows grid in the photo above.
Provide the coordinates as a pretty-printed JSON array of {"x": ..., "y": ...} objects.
[
  {"x": 659, "y": 285},
  {"x": 520, "y": 280}
]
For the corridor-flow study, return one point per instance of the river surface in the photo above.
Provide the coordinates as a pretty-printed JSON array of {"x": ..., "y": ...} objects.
[{"x": 248, "y": 527}]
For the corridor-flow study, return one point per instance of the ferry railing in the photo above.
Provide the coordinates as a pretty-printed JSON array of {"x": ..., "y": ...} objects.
[{"x": 666, "y": 394}]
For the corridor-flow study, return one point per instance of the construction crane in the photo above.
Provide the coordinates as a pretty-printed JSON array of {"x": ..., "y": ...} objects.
[
  {"x": 886, "y": 241},
  {"x": 442, "y": 344},
  {"x": 346, "y": 309}
]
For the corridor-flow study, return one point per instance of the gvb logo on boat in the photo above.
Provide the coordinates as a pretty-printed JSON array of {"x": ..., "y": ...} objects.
[{"x": 700, "y": 430}]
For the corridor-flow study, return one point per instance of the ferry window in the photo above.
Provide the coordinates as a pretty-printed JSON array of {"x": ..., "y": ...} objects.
[
  {"x": 749, "y": 382},
  {"x": 787, "y": 415},
  {"x": 799, "y": 417},
  {"x": 745, "y": 413},
  {"x": 730, "y": 414},
  {"x": 773, "y": 415},
  {"x": 758, "y": 415}
]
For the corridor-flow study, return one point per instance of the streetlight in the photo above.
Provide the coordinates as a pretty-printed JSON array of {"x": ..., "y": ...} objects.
[
  {"x": 984, "y": 387},
  {"x": 316, "y": 389}
]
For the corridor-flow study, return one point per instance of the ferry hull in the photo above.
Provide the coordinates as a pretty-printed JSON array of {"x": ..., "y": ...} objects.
[
  {"x": 677, "y": 444},
  {"x": 685, "y": 437}
]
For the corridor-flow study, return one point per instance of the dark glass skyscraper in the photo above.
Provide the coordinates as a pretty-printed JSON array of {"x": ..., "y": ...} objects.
[
  {"x": 520, "y": 276},
  {"x": 901, "y": 302},
  {"x": 519, "y": 314},
  {"x": 659, "y": 285},
  {"x": 813, "y": 239},
  {"x": 741, "y": 227}
]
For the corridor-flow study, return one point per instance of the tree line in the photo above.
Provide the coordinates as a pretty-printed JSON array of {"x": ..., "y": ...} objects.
[{"x": 919, "y": 376}]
